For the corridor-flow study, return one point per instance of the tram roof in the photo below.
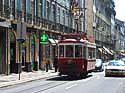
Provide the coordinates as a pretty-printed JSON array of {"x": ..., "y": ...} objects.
[
  {"x": 72, "y": 41},
  {"x": 75, "y": 41},
  {"x": 73, "y": 36}
]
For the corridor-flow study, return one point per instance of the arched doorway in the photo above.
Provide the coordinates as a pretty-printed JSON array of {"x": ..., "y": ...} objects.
[
  {"x": 2, "y": 51},
  {"x": 12, "y": 52}
]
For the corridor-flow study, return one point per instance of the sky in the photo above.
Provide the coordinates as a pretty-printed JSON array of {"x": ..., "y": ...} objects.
[{"x": 120, "y": 9}]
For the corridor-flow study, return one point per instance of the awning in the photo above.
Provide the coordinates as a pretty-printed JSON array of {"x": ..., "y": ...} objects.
[
  {"x": 122, "y": 54},
  {"x": 107, "y": 50},
  {"x": 112, "y": 51},
  {"x": 53, "y": 42},
  {"x": 57, "y": 41},
  {"x": 122, "y": 50},
  {"x": 100, "y": 49},
  {"x": 5, "y": 24}
]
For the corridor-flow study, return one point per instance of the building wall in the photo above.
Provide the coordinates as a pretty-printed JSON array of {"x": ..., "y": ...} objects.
[
  {"x": 3, "y": 50},
  {"x": 90, "y": 20},
  {"x": 120, "y": 30},
  {"x": 104, "y": 21},
  {"x": 51, "y": 18}
]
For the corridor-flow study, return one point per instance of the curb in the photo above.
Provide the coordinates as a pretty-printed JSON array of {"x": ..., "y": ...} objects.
[{"x": 24, "y": 81}]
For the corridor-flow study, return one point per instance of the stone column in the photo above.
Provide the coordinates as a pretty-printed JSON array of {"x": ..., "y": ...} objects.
[
  {"x": 7, "y": 52},
  {"x": 18, "y": 58},
  {"x": 28, "y": 65},
  {"x": 36, "y": 63}
]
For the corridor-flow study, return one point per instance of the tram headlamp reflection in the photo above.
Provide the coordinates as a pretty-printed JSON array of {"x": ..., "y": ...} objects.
[{"x": 69, "y": 61}]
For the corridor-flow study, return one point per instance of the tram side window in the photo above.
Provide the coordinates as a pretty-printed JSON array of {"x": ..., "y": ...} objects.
[
  {"x": 78, "y": 51},
  {"x": 69, "y": 51},
  {"x": 93, "y": 53},
  {"x": 84, "y": 52},
  {"x": 61, "y": 50},
  {"x": 90, "y": 53}
]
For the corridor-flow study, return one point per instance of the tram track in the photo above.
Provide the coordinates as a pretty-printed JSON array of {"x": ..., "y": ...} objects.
[
  {"x": 43, "y": 87},
  {"x": 50, "y": 85},
  {"x": 36, "y": 87}
]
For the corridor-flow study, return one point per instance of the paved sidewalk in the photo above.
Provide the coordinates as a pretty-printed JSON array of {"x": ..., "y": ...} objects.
[{"x": 24, "y": 77}]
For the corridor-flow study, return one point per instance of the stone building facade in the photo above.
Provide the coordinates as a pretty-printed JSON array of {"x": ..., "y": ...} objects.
[
  {"x": 23, "y": 22},
  {"x": 119, "y": 38},
  {"x": 103, "y": 24}
]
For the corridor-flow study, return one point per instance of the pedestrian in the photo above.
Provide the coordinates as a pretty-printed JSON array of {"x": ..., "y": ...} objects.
[
  {"x": 46, "y": 64},
  {"x": 56, "y": 63}
]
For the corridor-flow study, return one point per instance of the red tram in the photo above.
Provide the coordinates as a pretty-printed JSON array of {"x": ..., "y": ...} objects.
[{"x": 76, "y": 56}]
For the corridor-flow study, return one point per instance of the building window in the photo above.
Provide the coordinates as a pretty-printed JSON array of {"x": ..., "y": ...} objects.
[
  {"x": 53, "y": 11},
  {"x": 47, "y": 10},
  {"x": 63, "y": 17},
  {"x": 59, "y": 14},
  {"x": 41, "y": 8},
  {"x": 13, "y": 8}
]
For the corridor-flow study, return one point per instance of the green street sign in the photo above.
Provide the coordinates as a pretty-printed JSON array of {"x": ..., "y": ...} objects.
[
  {"x": 33, "y": 42},
  {"x": 43, "y": 38}
]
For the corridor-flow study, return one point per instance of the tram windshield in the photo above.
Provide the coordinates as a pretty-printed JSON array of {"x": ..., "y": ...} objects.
[
  {"x": 69, "y": 50},
  {"x": 78, "y": 51},
  {"x": 61, "y": 50}
]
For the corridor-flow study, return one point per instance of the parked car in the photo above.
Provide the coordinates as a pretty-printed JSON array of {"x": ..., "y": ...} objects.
[
  {"x": 115, "y": 67},
  {"x": 99, "y": 65},
  {"x": 123, "y": 59}
]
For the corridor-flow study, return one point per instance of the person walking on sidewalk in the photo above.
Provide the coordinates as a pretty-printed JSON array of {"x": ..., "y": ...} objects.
[
  {"x": 56, "y": 63},
  {"x": 46, "y": 64}
]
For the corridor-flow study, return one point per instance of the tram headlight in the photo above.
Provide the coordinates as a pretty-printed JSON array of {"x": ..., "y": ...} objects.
[
  {"x": 69, "y": 61},
  {"x": 82, "y": 66}
]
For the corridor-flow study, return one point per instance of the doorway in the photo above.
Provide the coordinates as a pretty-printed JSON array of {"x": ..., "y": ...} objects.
[{"x": 12, "y": 53}]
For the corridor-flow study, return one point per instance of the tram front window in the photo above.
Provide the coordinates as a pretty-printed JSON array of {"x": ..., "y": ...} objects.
[
  {"x": 61, "y": 50},
  {"x": 69, "y": 51},
  {"x": 78, "y": 51}
]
